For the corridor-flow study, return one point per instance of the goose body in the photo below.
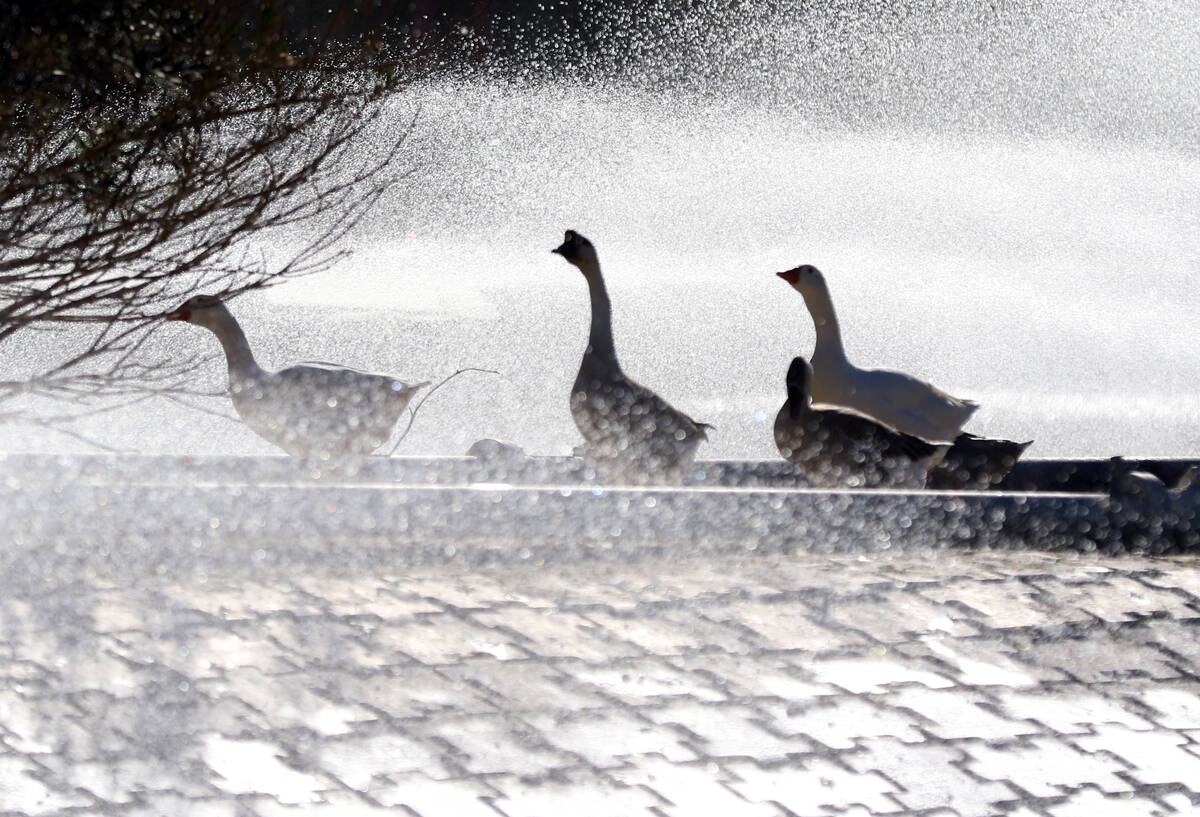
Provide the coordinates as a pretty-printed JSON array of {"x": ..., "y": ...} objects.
[
  {"x": 625, "y": 426},
  {"x": 976, "y": 462},
  {"x": 322, "y": 414},
  {"x": 895, "y": 399},
  {"x": 838, "y": 448}
]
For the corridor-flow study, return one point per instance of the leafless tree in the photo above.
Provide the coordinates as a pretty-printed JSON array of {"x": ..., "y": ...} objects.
[{"x": 143, "y": 145}]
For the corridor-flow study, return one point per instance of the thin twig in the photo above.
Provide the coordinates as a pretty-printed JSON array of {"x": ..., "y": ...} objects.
[
  {"x": 214, "y": 412},
  {"x": 50, "y": 426},
  {"x": 412, "y": 412}
]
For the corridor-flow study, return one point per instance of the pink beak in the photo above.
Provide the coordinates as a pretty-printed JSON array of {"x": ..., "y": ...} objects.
[{"x": 791, "y": 276}]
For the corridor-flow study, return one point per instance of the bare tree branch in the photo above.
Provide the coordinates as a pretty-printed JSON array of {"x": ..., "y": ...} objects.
[{"x": 146, "y": 149}]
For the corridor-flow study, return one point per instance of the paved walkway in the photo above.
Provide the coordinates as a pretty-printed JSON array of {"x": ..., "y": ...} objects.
[{"x": 966, "y": 684}]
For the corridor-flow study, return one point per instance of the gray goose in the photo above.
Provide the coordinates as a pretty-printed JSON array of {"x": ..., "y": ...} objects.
[
  {"x": 326, "y": 416},
  {"x": 628, "y": 430},
  {"x": 975, "y": 462},
  {"x": 838, "y": 448}
]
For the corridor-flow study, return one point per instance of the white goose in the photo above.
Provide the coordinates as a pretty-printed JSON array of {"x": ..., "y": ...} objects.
[
  {"x": 624, "y": 424},
  {"x": 893, "y": 398},
  {"x": 324, "y": 415}
]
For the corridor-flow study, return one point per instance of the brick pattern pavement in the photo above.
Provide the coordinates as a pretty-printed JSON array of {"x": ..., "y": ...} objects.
[{"x": 934, "y": 685}]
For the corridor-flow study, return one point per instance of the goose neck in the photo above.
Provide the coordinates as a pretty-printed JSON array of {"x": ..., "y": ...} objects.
[
  {"x": 825, "y": 321},
  {"x": 600, "y": 339},
  {"x": 238, "y": 356},
  {"x": 798, "y": 400}
]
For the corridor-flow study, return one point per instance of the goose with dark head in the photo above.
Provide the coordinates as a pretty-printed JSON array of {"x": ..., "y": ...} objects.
[
  {"x": 630, "y": 433},
  {"x": 836, "y": 448}
]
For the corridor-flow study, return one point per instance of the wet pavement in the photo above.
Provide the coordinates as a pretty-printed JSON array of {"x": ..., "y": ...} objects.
[{"x": 925, "y": 683}]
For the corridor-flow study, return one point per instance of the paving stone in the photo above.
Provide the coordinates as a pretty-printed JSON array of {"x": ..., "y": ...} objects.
[
  {"x": 22, "y": 676},
  {"x": 619, "y": 593},
  {"x": 1067, "y": 709},
  {"x": 761, "y": 674},
  {"x": 644, "y": 680},
  {"x": 1114, "y": 599},
  {"x": 839, "y": 578},
  {"x": 1177, "y": 803},
  {"x": 1068, "y": 566},
  {"x": 123, "y": 779},
  {"x": 114, "y": 612},
  {"x": 286, "y": 701},
  {"x": 254, "y": 767},
  {"x": 871, "y": 674},
  {"x": 467, "y": 797},
  {"x": 157, "y": 804},
  {"x": 973, "y": 661},
  {"x": 35, "y": 725},
  {"x": 811, "y": 787},
  {"x": 1045, "y": 767},
  {"x": 441, "y": 639},
  {"x": 481, "y": 591},
  {"x": 1091, "y": 803},
  {"x": 364, "y": 693},
  {"x": 727, "y": 731},
  {"x": 315, "y": 641},
  {"x": 937, "y": 567},
  {"x": 339, "y": 596},
  {"x": 956, "y": 713},
  {"x": 407, "y": 691},
  {"x": 1179, "y": 637},
  {"x": 929, "y": 776},
  {"x": 665, "y": 631},
  {"x": 161, "y": 715},
  {"x": 692, "y": 790},
  {"x": 205, "y": 652},
  {"x": 782, "y": 625},
  {"x": 332, "y": 804},
  {"x": 22, "y": 792},
  {"x": 1000, "y": 605},
  {"x": 898, "y": 616},
  {"x": 552, "y": 633},
  {"x": 81, "y": 661},
  {"x": 605, "y": 737},
  {"x": 358, "y": 759},
  {"x": 837, "y": 721},
  {"x": 579, "y": 794},
  {"x": 495, "y": 744},
  {"x": 77, "y": 738},
  {"x": 1098, "y": 657},
  {"x": 244, "y": 601},
  {"x": 1154, "y": 757},
  {"x": 1176, "y": 706},
  {"x": 1182, "y": 583},
  {"x": 690, "y": 585},
  {"x": 19, "y": 619},
  {"x": 519, "y": 686}
]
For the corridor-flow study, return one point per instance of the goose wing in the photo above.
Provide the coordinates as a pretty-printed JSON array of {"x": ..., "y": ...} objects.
[
  {"x": 888, "y": 442},
  {"x": 909, "y": 404},
  {"x": 324, "y": 410},
  {"x": 617, "y": 415}
]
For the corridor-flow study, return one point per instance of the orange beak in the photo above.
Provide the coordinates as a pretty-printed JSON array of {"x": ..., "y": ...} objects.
[
  {"x": 181, "y": 315},
  {"x": 791, "y": 276}
]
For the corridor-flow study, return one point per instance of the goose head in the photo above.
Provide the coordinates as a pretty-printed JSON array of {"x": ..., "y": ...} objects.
[
  {"x": 799, "y": 381},
  {"x": 202, "y": 310},
  {"x": 578, "y": 251},
  {"x": 804, "y": 279}
]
